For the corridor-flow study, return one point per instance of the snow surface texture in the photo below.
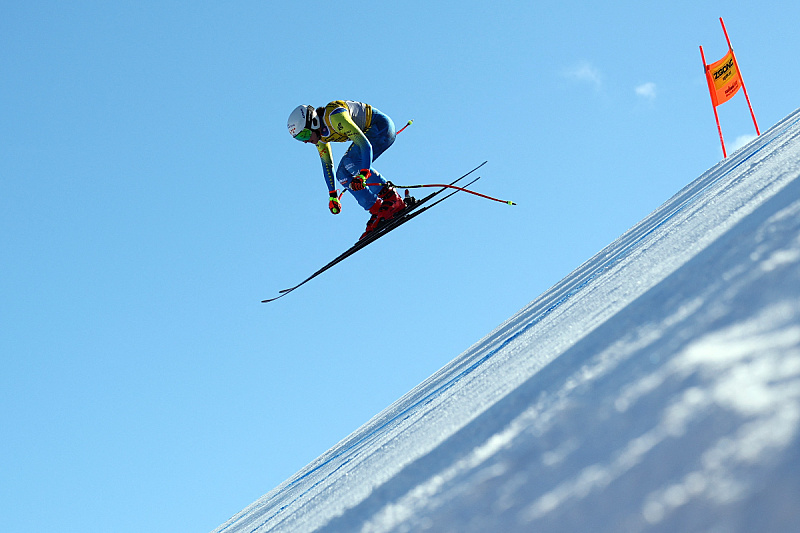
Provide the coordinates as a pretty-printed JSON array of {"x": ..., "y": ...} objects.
[{"x": 656, "y": 388}]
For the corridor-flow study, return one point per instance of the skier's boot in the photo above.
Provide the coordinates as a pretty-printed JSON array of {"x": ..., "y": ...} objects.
[
  {"x": 388, "y": 204},
  {"x": 392, "y": 202},
  {"x": 372, "y": 223}
]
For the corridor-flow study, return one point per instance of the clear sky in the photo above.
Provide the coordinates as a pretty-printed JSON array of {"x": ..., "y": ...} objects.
[{"x": 151, "y": 197}]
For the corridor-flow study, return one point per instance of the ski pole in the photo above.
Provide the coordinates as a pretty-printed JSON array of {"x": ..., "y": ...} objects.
[
  {"x": 509, "y": 202},
  {"x": 410, "y": 122}
]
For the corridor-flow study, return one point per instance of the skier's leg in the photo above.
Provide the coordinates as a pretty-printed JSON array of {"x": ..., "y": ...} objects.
[{"x": 348, "y": 168}]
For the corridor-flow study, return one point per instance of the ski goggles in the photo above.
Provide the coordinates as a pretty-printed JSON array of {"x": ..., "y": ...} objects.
[{"x": 304, "y": 135}]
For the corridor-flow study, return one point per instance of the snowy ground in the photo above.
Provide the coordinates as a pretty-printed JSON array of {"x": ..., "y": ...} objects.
[{"x": 656, "y": 388}]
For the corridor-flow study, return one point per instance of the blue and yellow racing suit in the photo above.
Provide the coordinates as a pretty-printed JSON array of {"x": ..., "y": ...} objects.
[{"x": 370, "y": 132}]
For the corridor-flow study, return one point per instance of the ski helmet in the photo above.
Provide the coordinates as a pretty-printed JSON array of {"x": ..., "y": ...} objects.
[{"x": 302, "y": 121}]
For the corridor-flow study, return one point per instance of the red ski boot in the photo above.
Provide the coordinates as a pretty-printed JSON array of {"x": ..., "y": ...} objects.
[
  {"x": 389, "y": 203},
  {"x": 372, "y": 223},
  {"x": 392, "y": 202}
]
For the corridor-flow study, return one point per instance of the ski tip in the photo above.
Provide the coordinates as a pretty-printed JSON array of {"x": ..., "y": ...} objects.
[
  {"x": 510, "y": 203},
  {"x": 283, "y": 293}
]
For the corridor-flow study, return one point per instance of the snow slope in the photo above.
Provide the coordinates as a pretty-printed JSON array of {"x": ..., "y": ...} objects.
[{"x": 655, "y": 388}]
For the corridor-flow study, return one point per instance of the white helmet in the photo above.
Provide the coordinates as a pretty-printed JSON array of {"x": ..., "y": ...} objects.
[{"x": 302, "y": 120}]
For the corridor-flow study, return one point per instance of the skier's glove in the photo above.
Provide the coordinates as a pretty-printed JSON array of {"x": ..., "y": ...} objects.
[
  {"x": 333, "y": 202},
  {"x": 359, "y": 181}
]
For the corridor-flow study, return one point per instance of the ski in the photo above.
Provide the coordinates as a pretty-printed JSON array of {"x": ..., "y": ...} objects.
[{"x": 415, "y": 208}]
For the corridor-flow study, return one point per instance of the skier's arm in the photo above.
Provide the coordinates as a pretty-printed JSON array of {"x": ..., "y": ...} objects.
[
  {"x": 342, "y": 122},
  {"x": 326, "y": 156}
]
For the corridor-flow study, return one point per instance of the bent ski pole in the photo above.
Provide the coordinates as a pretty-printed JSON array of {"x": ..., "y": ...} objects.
[{"x": 509, "y": 202}]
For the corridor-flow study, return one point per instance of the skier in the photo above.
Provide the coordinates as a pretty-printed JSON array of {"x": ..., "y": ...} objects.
[{"x": 371, "y": 133}]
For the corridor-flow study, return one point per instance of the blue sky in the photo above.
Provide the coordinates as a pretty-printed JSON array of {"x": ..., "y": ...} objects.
[{"x": 151, "y": 197}]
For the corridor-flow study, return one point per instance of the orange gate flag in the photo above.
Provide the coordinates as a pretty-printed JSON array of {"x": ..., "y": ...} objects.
[{"x": 724, "y": 79}]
